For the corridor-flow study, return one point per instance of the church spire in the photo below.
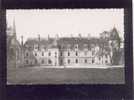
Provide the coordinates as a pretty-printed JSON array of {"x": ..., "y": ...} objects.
[{"x": 14, "y": 28}]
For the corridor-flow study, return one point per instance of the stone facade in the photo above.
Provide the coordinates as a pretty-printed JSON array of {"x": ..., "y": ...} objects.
[{"x": 65, "y": 51}]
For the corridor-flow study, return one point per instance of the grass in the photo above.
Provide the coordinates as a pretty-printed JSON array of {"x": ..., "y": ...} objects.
[{"x": 31, "y": 75}]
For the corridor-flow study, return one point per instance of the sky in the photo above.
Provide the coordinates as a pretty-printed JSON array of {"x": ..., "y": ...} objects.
[{"x": 65, "y": 22}]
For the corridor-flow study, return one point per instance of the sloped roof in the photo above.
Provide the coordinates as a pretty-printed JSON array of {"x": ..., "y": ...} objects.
[{"x": 63, "y": 43}]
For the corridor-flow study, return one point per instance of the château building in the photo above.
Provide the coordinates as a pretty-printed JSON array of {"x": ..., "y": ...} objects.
[{"x": 65, "y": 51}]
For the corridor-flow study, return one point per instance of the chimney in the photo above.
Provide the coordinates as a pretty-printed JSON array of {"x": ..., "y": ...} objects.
[
  {"x": 89, "y": 36},
  {"x": 38, "y": 41},
  {"x": 48, "y": 37},
  {"x": 71, "y": 36},
  {"x": 21, "y": 40},
  {"x": 57, "y": 37},
  {"x": 80, "y": 35},
  {"x": 39, "y": 37}
]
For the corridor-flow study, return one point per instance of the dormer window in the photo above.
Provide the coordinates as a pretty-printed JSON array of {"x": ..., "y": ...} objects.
[
  {"x": 35, "y": 46},
  {"x": 76, "y": 46}
]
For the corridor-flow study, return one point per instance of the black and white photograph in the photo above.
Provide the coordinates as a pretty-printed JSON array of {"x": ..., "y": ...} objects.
[{"x": 65, "y": 46}]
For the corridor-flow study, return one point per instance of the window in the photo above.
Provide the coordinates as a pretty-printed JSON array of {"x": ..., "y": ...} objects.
[
  {"x": 42, "y": 53},
  {"x": 49, "y": 61},
  {"x": 61, "y": 61},
  {"x": 92, "y": 61},
  {"x": 76, "y": 60},
  {"x": 92, "y": 53},
  {"x": 68, "y": 61},
  {"x": 106, "y": 61},
  {"x": 61, "y": 54},
  {"x": 42, "y": 61},
  {"x": 76, "y": 53},
  {"x": 99, "y": 58},
  {"x": 68, "y": 53},
  {"x": 76, "y": 46},
  {"x": 26, "y": 61},
  {"x": 85, "y": 53},
  {"x": 35, "y": 61},
  {"x": 49, "y": 54},
  {"x": 27, "y": 54},
  {"x": 35, "y": 54},
  {"x": 85, "y": 60},
  {"x": 106, "y": 55}
]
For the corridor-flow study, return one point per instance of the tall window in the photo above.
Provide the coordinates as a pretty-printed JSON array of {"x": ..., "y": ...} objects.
[
  {"x": 49, "y": 54},
  {"x": 85, "y": 60},
  {"x": 61, "y": 61},
  {"x": 27, "y": 54},
  {"x": 76, "y": 61},
  {"x": 42, "y": 61},
  {"x": 68, "y": 53},
  {"x": 42, "y": 53},
  {"x": 99, "y": 58},
  {"x": 35, "y": 61},
  {"x": 85, "y": 53},
  {"x": 68, "y": 61},
  {"x": 49, "y": 61},
  {"x": 27, "y": 62},
  {"x": 92, "y": 61},
  {"x": 55, "y": 54},
  {"x": 61, "y": 54},
  {"x": 106, "y": 61},
  {"x": 106, "y": 55},
  {"x": 35, "y": 54},
  {"x": 76, "y": 53}
]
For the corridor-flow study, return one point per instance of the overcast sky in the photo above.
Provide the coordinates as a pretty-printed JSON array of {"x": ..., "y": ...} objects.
[{"x": 65, "y": 22}]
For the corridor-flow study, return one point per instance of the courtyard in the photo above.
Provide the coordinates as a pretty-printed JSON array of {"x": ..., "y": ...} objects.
[{"x": 67, "y": 75}]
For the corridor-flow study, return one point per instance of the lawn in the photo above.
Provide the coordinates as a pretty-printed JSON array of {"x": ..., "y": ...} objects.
[{"x": 34, "y": 75}]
